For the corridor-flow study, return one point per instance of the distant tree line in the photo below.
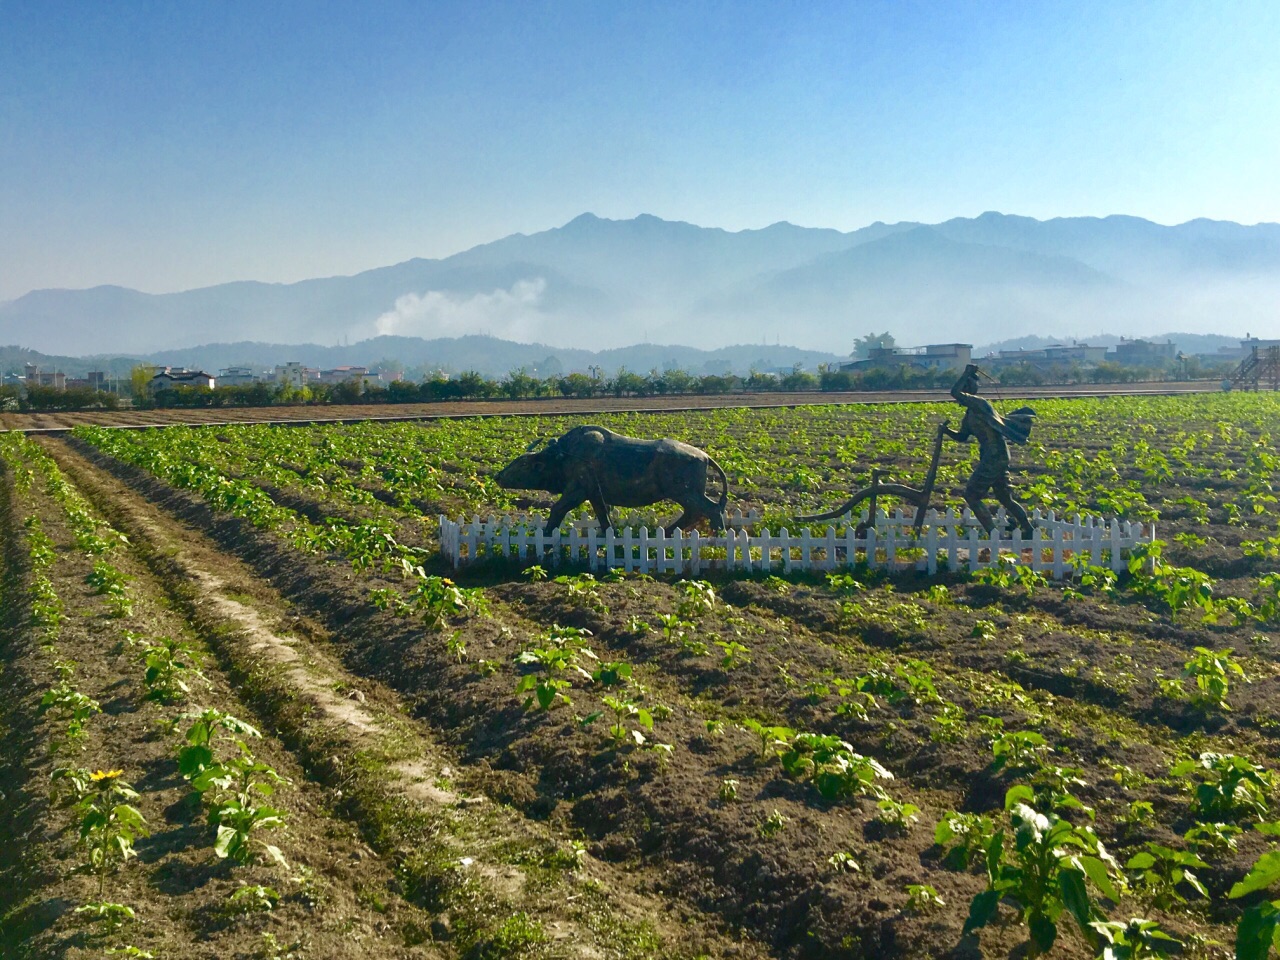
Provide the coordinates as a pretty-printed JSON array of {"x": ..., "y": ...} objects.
[
  {"x": 520, "y": 385},
  {"x": 39, "y": 399}
]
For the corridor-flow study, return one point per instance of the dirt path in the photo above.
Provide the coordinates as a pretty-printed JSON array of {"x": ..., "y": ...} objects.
[
  {"x": 477, "y": 865},
  {"x": 55, "y": 422}
]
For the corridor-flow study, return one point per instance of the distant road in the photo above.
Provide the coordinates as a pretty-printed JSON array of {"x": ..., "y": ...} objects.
[{"x": 356, "y": 413}]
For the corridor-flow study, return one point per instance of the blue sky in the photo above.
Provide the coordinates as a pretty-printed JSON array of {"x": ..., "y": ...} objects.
[{"x": 169, "y": 145}]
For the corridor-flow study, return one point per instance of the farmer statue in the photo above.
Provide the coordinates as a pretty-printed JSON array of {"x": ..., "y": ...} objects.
[{"x": 991, "y": 476}]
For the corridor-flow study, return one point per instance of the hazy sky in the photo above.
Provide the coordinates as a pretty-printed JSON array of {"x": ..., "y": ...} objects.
[{"x": 169, "y": 145}]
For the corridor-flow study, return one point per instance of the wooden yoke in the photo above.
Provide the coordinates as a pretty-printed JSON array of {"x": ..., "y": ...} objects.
[{"x": 927, "y": 493}]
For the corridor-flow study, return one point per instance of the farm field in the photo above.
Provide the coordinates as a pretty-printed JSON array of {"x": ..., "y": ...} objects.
[
  {"x": 65, "y": 420},
  {"x": 842, "y": 766}
]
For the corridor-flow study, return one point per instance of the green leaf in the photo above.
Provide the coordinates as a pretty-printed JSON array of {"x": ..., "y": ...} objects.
[
  {"x": 982, "y": 909},
  {"x": 191, "y": 760},
  {"x": 275, "y": 854},
  {"x": 1075, "y": 897},
  {"x": 1264, "y": 873},
  {"x": 1043, "y": 933},
  {"x": 1097, "y": 871},
  {"x": 225, "y": 841},
  {"x": 1021, "y": 793},
  {"x": 1258, "y": 927},
  {"x": 1141, "y": 861}
]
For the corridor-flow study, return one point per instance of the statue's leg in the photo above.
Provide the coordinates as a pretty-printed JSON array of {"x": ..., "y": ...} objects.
[
  {"x": 1017, "y": 513},
  {"x": 973, "y": 493}
]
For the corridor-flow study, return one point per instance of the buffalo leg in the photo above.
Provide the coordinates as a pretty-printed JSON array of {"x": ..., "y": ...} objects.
[
  {"x": 715, "y": 515},
  {"x": 561, "y": 508},
  {"x": 602, "y": 512},
  {"x": 687, "y": 519}
]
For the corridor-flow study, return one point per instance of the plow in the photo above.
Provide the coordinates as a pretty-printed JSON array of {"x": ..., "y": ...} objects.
[{"x": 880, "y": 487}]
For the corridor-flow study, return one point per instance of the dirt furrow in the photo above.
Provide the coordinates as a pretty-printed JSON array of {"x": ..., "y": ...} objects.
[{"x": 474, "y": 863}]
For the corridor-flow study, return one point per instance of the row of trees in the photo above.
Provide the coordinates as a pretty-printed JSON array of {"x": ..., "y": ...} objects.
[{"x": 519, "y": 385}]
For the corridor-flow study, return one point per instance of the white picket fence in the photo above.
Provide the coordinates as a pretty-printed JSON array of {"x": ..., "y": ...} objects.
[
  {"x": 949, "y": 540},
  {"x": 734, "y": 519}
]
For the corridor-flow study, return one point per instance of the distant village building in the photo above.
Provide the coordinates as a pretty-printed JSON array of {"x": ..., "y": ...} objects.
[
  {"x": 170, "y": 377},
  {"x": 1054, "y": 356},
  {"x": 1144, "y": 353},
  {"x": 294, "y": 374},
  {"x": 933, "y": 356},
  {"x": 33, "y": 377},
  {"x": 1246, "y": 348},
  {"x": 344, "y": 374},
  {"x": 236, "y": 377}
]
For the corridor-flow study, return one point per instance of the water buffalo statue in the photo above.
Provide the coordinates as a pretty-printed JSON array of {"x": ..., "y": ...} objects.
[{"x": 596, "y": 465}]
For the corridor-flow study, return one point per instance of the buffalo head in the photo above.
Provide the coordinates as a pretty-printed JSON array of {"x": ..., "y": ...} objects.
[{"x": 537, "y": 470}]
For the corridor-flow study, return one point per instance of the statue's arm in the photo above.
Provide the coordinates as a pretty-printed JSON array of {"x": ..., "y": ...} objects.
[{"x": 962, "y": 435}]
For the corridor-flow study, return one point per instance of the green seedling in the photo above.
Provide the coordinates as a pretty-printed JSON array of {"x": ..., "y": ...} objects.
[
  {"x": 73, "y": 706},
  {"x": 699, "y": 599},
  {"x": 1211, "y": 672},
  {"x": 1160, "y": 870},
  {"x": 1045, "y": 873},
  {"x": 170, "y": 664},
  {"x": 253, "y": 899},
  {"x": 923, "y": 898},
  {"x": 111, "y": 915},
  {"x": 735, "y": 654},
  {"x": 728, "y": 790},
  {"x": 553, "y": 662},
  {"x": 613, "y": 673},
  {"x": 109, "y": 823},
  {"x": 773, "y": 825},
  {"x": 833, "y": 767},
  {"x": 439, "y": 599},
  {"x": 1017, "y": 750},
  {"x": 1230, "y": 788},
  {"x": 771, "y": 738},
  {"x": 232, "y": 791},
  {"x": 1216, "y": 838},
  {"x": 843, "y": 862},
  {"x": 896, "y": 815},
  {"x": 1259, "y": 928},
  {"x": 112, "y": 584},
  {"x": 965, "y": 837},
  {"x": 584, "y": 591},
  {"x": 1136, "y": 939},
  {"x": 625, "y": 708},
  {"x": 196, "y": 754}
]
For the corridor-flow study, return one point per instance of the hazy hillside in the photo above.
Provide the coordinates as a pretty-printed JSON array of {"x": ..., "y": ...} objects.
[{"x": 598, "y": 284}]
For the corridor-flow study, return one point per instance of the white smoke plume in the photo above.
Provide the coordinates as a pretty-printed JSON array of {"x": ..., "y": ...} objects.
[{"x": 509, "y": 314}]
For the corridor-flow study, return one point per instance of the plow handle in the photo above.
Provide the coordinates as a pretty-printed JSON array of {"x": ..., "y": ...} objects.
[{"x": 926, "y": 494}]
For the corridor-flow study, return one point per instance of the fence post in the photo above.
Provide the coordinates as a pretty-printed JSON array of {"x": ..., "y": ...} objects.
[
  {"x": 1059, "y": 546},
  {"x": 873, "y": 561},
  {"x": 1116, "y": 563},
  {"x": 973, "y": 548}
]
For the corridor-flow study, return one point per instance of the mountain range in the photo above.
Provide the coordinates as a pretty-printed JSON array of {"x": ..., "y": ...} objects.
[{"x": 595, "y": 284}]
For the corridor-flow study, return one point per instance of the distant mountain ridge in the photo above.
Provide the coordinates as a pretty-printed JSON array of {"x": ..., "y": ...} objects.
[{"x": 597, "y": 284}]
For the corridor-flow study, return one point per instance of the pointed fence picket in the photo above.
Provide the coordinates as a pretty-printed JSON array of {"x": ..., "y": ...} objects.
[{"x": 951, "y": 538}]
